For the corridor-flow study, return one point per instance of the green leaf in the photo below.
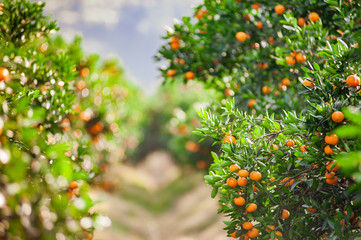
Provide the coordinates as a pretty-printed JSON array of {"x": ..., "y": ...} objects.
[
  {"x": 62, "y": 167},
  {"x": 214, "y": 192},
  {"x": 350, "y": 131}
]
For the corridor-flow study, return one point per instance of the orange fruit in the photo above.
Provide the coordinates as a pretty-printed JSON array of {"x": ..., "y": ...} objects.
[
  {"x": 290, "y": 60},
  {"x": 301, "y": 22},
  {"x": 255, "y": 189},
  {"x": 330, "y": 175},
  {"x": 285, "y": 82},
  {"x": 303, "y": 148},
  {"x": 243, "y": 173},
  {"x": 328, "y": 150},
  {"x": 259, "y": 25},
  {"x": 174, "y": 40},
  {"x": 331, "y": 139},
  {"x": 255, "y": 6},
  {"x": 337, "y": 116},
  {"x": 201, "y": 164},
  {"x": 352, "y": 214},
  {"x": 96, "y": 128},
  {"x": 255, "y": 45},
  {"x": 233, "y": 168},
  {"x": 300, "y": 58},
  {"x": 313, "y": 17},
  {"x": 239, "y": 201},
  {"x": 270, "y": 228},
  {"x": 255, "y": 176},
  {"x": 88, "y": 236},
  {"x": 278, "y": 233},
  {"x": 233, "y": 234},
  {"x": 275, "y": 148},
  {"x": 73, "y": 185},
  {"x": 279, "y": 9},
  {"x": 231, "y": 182},
  {"x": 65, "y": 124},
  {"x": 228, "y": 92},
  {"x": 335, "y": 168},
  {"x": 290, "y": 143},
  {"x": 182, "y": 128},
  {"x": 311, "y": 210},
  {"x": 266, "y": 90},
  {"x": 285, "y": 214},
  {"x": 332, "y": 181},
  {"x": 253, "y": 233},
  {"x": 200, "y": 14},
  {"x": 70, "y": 194},
  {"x": 271, "y": 40},
  {"x": 288, "y": 182},
  {"x": 84, "y": 72},
  {"x": 192, "y": 146},
  {"x": 247, "y": 17},
  {"x": 189, "y": 75},
  {"x": 353, "y": 80},
  {"x": 308, "y": 83},
  {"x": 171, "y": 72},
  {"x": 242, "y": 181},
  {"x": 174, "y": 45},
  {"x": 229, "y": 139},
  {"x": 4, "y": 74},
  {"x": 80, "y": 85},
  {"x": 272, "y": 179},
  {"x": 251, "y": 102},
  {"x": 251, "y": 208},
  {"x": 247, "y": 225},
  {"x": 241, "y": 36},
  {"x": 244, "y": 237}
]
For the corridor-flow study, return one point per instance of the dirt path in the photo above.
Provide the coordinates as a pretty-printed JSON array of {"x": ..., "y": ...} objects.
[{"x": 156, "y": 201}]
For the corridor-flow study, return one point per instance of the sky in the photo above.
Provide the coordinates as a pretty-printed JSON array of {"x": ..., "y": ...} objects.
[{"x": 130, "y": 30}]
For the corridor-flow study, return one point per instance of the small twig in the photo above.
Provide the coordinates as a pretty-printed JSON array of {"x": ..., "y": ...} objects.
[
  {"x": 273, "y": 134},
  {"x": 289, "y": 179},
  {"x": 303, "y": 136}
]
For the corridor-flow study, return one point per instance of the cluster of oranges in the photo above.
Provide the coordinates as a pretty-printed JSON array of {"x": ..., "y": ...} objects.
[
  {"x": 295, "y": 56},
  {"x": 174, "y": 43},
  {"x": 240, "y": 202}
]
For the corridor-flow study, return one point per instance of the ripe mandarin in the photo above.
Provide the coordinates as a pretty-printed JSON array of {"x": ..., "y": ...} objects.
[
  {"x": 313, "y": 17},
  {"x": 279, "y": 9},
  {"x": 337, "y": 116},
  {"x": 255, "y": 176}
]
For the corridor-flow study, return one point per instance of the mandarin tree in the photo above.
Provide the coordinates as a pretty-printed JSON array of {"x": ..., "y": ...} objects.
[
  {"x": 290, "y": 138},
  {"x": 108, "y": 109},
  {"x": 45, "y": 168}
]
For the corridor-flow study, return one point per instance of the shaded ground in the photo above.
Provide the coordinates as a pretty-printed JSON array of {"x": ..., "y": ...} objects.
[{"x": 156, "y": 201}]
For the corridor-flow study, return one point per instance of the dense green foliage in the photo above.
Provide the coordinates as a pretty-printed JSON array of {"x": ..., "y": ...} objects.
[
  {"x": 288, "y": 137},
  {"x": 64, "y": 117}
]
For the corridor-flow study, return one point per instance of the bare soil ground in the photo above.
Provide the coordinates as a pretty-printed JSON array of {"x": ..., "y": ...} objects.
[{"x": 158, "y": 201}]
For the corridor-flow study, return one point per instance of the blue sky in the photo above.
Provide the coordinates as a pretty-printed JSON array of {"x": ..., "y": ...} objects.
[{"x": 128, "y": 29}]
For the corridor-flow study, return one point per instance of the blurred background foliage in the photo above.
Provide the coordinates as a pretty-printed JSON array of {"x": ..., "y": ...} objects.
[{"x": 171, "y": 119}]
